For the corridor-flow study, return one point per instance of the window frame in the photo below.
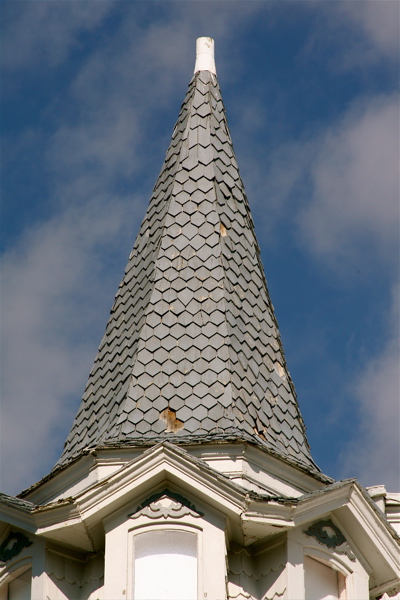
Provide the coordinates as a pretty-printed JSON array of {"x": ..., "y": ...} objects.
[
  {"x": 346, "y": 559},
  {"x": 167, "y": 526},
  {"x": 14, "y": 570},
  {"x": 326, "y": 559}
]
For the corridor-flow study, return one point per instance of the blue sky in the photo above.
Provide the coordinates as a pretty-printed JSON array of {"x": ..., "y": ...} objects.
[{"x": 90, "y": 94}]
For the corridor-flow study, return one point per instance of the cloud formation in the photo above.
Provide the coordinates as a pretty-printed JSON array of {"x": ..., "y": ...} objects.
[
  {"x": 338, "y": 187},
  {"x": 374, "y": 452},
  {"x": 353, "y": 211},
  {"x": 50, "y": 287},
  {"x": 379, "y": 23},
  {"x": 44, "y": 33},
  {"x": 360, "y": 35}
]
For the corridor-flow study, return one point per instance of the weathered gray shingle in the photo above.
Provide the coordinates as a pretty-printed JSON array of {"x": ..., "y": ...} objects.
[{"x": 192, "y": 328}]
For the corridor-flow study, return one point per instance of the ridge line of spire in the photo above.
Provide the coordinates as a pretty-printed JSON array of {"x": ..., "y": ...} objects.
[{"x": 192, "y": 347}]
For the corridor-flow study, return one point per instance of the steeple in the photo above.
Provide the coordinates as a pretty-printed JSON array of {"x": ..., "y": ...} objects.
[
  {"x": 192, "y": 351},
  {"x": 192, "y": 355}
]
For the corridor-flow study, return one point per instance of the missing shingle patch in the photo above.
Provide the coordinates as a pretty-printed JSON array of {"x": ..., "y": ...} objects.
[
  {"x": 173, "y": 424},
  {"x": 280, "y": 370},
  {"x": 222, "y": 230}
]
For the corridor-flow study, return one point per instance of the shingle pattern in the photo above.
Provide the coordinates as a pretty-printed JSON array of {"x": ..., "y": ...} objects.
[
  {"x": 192, "y": 330},
  {"x": 15, "y": 502}
]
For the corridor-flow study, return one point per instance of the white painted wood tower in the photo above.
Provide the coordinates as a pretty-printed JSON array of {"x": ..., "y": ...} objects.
[{"x": 187, "y": 474}]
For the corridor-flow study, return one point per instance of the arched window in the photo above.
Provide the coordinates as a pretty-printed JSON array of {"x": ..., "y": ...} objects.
[
  {"x": 165, "y": 565},
  {"x": 322, "y": 582},
  {"x": 19, "y": 588}
]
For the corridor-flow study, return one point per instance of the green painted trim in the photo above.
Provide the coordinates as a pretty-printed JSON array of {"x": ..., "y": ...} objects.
[
  {"x": 20, "y": 541},
  {"x": 318, "y": 531}
]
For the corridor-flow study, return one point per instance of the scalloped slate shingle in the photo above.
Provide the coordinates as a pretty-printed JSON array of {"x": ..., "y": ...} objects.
[{"x": 192, "y": 350}]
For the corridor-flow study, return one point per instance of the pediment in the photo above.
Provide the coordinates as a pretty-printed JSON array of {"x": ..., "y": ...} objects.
[{"x": 164, "y": 466}]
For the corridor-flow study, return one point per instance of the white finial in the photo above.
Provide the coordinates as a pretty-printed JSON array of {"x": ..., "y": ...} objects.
[{"x": 205, "y": 55}]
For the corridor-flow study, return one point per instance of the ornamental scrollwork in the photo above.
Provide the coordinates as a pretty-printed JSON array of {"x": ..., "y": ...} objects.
[
  {"x": 165, "y": 505},
  {"x": 13, "y": 544},
  {"x": 327, "y": 533}
]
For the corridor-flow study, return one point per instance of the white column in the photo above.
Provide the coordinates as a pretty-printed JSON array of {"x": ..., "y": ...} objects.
[
  {"x": 294, "y": 570},
  {"x": 39, "y": 575}
]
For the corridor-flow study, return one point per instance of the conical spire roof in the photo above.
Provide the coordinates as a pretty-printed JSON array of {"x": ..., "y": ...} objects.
[{"x": 192, "y": 351}]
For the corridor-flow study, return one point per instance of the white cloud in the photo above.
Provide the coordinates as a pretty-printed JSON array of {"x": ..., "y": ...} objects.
[
  {"x": 353, "y": 211},
  {"x": 355, "y": 35},
  {"x": 44, "y": 32},
  {"x": 379, "y": 20},
  {"x": 53, "y": 284},
  {"x": 338, "y": 187},
  {"x": 102, "y": 134},
  {"x": 374, "y": 453}
]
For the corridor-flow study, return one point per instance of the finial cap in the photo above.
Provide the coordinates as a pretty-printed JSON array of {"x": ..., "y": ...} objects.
[{"x": 205, "y": 55}]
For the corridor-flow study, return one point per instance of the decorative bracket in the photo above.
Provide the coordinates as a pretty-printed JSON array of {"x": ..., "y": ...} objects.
[
  {"x": 328, "y": 534},
  {"x": 13, "y": 544},
  {"x": 166, "y": 505}
]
